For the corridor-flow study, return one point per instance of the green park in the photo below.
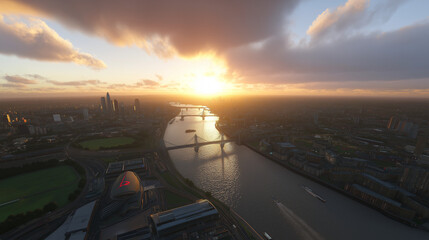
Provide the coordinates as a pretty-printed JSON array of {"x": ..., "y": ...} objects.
[{"x": 30, "y": 191}]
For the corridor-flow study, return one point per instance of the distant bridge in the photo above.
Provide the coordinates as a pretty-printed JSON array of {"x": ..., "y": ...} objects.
[
  {"x": 197, "y": 144},
  {"x": 192, "y": 107},
  {"x": 203, "y": 115}
]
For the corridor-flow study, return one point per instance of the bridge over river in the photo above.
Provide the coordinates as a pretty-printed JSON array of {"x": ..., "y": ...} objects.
[{"x": 198, "y": 142}]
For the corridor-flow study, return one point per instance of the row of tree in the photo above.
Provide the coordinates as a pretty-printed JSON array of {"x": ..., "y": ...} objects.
[
  {"x": 22, "y": 218},
  {"x": 26, "y": 168}
]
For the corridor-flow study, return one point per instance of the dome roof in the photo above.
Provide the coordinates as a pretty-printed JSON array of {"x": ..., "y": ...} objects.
[{"x": 126, "y": 185}]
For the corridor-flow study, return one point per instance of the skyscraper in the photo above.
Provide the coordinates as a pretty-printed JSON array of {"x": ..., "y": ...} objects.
[
  {"x": 85, "y": 114},
  {"x": 136, "y": 105},
  {"x": 108, "y": 102},
  {"x": 103, "y": 104},
  {"x": 115, "y": 106}
]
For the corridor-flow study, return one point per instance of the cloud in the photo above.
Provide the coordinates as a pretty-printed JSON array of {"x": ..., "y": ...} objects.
[
  {"x": 187, "y": 27},
  {"x": 351, "y": 16},
  {"x": 390, "y": 56},
  {"x": 13, "y": 85},
  {"x": 148, "y": 82},
  {"x": 144, "y": 83},
  {"x": 76, "y": 83},
  {"x": 19, "y": 80},
  {"x": 160, "y": 78},
  {"x": 36, "y": 40},
  {"x": 36, "y": 76},
  {"x": 252, "y": 39}
]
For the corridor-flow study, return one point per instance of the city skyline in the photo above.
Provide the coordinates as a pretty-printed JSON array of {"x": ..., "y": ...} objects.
[{"x": 335, "y": 48}]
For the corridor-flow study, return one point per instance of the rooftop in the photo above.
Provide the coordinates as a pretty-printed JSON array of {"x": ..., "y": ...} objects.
[
  {"x": 376, "y": 195},
  {"x": 384, "y": 183},
  {"x": 81, "y": 218},
  {"x": 126, "y": 184},
  {"x": 181, "y": 215}
]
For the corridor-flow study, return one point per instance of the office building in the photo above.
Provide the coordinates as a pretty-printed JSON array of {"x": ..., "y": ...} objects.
[
  {"x": 136, "y": 105},
  {"x": 108, "y": 102},
  {"x": 77, "y": 225},
  {"x": 116, "y": 106},
  {"x": 103, "y": 104},
  {"x": 85, "y": 114}
]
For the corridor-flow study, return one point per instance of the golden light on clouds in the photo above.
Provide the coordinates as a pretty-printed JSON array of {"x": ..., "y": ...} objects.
[
  {"x": 208, "y": 75},
  {"x": 14, "y": 7}
]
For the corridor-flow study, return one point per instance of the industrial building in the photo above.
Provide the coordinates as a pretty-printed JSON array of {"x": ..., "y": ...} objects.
[
  {"x": 190, "y": 221},
  {"x": 76, "y": 225}
]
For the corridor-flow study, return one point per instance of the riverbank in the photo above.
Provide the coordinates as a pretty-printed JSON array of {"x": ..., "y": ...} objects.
[
  {"x": 235, "y": 222},
  {"x": 326, "y": 184}
]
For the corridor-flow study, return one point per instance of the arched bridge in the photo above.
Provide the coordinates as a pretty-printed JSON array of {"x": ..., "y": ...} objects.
[
  {"x": 198, "y": 142},
  {"x": 203, "y": 115}
]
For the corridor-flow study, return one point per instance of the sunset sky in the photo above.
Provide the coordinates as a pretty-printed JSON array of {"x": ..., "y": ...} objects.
[{"x": 295, "y": 47}]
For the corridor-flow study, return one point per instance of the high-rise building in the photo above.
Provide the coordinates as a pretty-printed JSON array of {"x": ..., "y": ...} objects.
[
  {"x": 5, "y": 121},
  {"x": 103, "y": 104},
  {"x": 115, "y": 106},
  {"x": 109, "y": 102},
  {"x": 136, "y": 105},
  {"x": 8, "y": 118},
  {"x": 85, "y": 114},
  {"x": 393, "y": 122}
]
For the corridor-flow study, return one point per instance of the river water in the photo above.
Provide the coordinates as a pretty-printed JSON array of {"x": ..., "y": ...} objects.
[{"x": 247, "y": 182}]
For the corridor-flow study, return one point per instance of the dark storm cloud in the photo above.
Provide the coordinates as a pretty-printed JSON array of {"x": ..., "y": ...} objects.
[
  {"x": 188, "y": 26},
  {"x": 36, "y": 40}
]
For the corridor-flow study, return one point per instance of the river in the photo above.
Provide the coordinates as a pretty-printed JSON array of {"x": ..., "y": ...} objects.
[{"x": 247, "y": 182}]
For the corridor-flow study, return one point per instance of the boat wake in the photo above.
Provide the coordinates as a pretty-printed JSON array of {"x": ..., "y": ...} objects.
[{"x": 302, "y": 228}]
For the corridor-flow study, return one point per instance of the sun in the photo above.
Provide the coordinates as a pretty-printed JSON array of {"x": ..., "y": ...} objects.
[{"x": 207, "y": 85}]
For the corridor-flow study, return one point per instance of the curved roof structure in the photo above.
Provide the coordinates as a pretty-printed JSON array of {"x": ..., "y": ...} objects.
[{"x": 125, "y": 186}]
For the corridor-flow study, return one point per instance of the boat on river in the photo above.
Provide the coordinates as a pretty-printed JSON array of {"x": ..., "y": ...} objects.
[
  {"x": 310, "y": 191},
  {"x": 268, "y": 237},
  {"x": 190, "y": 130}
]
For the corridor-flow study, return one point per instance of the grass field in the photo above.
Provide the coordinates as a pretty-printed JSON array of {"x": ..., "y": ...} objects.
[
  {"x": 36, "y": 189},
  {"x": 96, "y": 144},
  {"x": 173, "y": 200}
]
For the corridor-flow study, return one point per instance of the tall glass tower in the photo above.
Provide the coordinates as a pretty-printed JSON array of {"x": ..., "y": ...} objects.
[
  {"x": 103, "y": 104},
  {"x": 108, "y": 102}
]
